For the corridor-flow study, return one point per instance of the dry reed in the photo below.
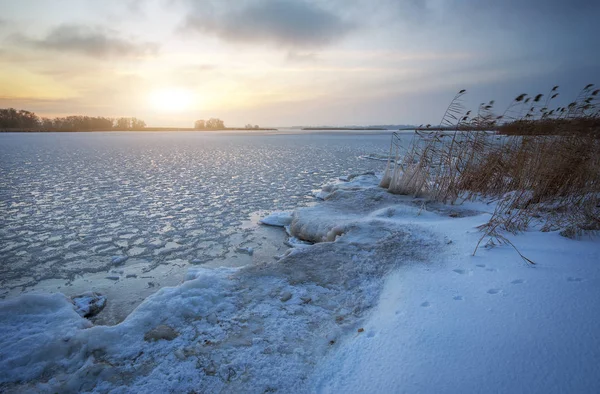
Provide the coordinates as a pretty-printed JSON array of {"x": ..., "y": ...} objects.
[{"x": 541, "y": 164}]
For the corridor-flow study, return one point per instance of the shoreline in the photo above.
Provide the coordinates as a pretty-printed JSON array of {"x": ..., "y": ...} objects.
[
  {"x": 327, "y": 317},
  {"x": 127, "y": 285},
  {"x": 313, "y": 297}
]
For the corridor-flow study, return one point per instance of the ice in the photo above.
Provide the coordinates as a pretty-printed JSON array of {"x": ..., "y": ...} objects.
[
  {"x": 347, "y": 182},
  {"x": 294, "y": 242},
  {"x": 256, "y": 328},
  {"x": 89, "y": 304},
  {"x": 136, "y": 251},
  {"x": 320, "y": 194},
  {"x": 346, "y": 202},
  {"x": 278, "y": 219},
  {"x": 118, "y": 260},
  {"x": 249, "y": 251},
  {"x": 73, "y": 201},
  {"x": 377, "y": 156}
]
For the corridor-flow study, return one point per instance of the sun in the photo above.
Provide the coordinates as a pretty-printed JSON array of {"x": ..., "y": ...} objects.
[{"x": 172, "y": 99}]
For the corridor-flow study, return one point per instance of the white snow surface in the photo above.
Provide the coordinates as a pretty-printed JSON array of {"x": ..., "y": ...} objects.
[
  {"x": 277, "y": 219},
  {"x": 89, "y": 303},
  {"x": 388, "y": 299},
  {"x": 483, "y": 323}
]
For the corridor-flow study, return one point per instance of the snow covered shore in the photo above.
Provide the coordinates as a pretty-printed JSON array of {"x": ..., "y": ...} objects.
[
  {"x": 388, "y": 299},
  {"x": 484, "y": 323}
]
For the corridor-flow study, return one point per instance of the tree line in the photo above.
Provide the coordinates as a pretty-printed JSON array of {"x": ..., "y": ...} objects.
[
  {"x": 211, "y": 124},
  {"x": 22, "y": 120},
  {"x": 217, "y": 124}
]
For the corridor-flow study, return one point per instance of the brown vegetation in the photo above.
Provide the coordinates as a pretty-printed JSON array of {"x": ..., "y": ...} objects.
[
  {"x": 543, "y": 167},
  {"x": 21, "y": 120}
]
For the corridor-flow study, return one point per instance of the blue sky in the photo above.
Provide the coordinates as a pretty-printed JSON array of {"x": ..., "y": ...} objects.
[{"x": 289, "y": 62}]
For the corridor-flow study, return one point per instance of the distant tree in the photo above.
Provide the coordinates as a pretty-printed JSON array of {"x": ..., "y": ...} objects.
[
  {"x": 256, "y": 126},
  {"x": 137, "y": 124},
  {"x": 11, "y": 118},
  {"x": 104, "y": 123},
  {"x": 215, "y": 124},
  {"x": 248, "y": 126},
  {"x": 123, "y": 124},
  {"x": 199, "y": 125},
  {"x": 28, "y": 120},
  {"x": 46, "y": 124}
]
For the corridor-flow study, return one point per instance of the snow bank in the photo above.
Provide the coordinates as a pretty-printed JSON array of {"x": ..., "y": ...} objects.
[
  {"x": 36, "y": 333},
  {"x": 350, "y": 182},
  {"x": 346, "y": 204}
]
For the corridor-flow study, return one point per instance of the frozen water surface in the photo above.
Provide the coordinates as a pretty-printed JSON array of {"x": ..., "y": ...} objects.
[{"x": 128, "y": 213}]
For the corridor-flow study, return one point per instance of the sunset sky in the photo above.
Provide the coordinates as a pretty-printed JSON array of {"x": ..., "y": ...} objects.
[{"x": 289, "y": 62}]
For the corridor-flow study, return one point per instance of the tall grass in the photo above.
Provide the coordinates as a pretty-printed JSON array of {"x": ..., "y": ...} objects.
[{"x": 542, "y": 165}]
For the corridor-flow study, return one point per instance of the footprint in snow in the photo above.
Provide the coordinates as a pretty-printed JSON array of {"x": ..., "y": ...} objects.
[
  {"x": 517, "y": 281},
  {"x": 494, "y": 291},
  {"x": 491, "y": 269},
  {"x": 425, "y": 304},
  {"x": 460, "y": 271},
  {"x": 458, "y": 298},
  {"x": 480, "y": 265},
  {"x": 573, "y": 279}
]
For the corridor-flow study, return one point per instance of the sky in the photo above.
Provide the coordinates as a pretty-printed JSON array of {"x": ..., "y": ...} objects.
[{"x": 290, "y": 62}]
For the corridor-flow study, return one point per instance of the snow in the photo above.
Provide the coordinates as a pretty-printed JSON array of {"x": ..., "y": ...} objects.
[
  {"x": 278, "y": 219},
  {"x": 294, "y": 242},
  {"x": 36, "y": 330},
  {"x": 89, "y": 303},
  {"x": 378, "y": 156},
  {"x": 349, "y": 182},
  {"x": 388, "y": 299},
  {"x": 483, "y": 323}
]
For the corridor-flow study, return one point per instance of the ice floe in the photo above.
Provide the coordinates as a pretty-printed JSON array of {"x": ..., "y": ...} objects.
[{"x": 278, "y": 219}]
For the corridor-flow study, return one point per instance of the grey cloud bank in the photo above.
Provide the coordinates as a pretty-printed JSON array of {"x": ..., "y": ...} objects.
[
  {"x": 90, "y": 41},
  {"x": 295, "y": 24}
]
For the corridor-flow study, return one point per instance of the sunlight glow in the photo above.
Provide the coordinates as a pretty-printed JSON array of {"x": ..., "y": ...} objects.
[{"x": 172, "y": 100}]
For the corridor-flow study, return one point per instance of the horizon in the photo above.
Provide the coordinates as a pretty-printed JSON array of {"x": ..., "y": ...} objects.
[{"x": 281, "y": 63}]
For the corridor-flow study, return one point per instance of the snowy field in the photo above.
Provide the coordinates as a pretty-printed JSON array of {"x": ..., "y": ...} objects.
[
  {"x": 126, "y": 214},
  {"x": 387, "y": 299}
]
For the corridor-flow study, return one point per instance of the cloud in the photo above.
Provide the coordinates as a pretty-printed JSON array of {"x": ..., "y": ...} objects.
[
  {"x": 284, "y": 23},
  {"x": 89, "y": 41},
  {"x": 539, "y": 7},
  {"x": 4, "y": 25},
  {"x": 301, "y": 57},
  {"x": 508, "y": 14}
]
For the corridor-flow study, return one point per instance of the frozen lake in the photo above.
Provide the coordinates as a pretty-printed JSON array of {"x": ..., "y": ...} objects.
[{"x": 161, "y": 201}]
